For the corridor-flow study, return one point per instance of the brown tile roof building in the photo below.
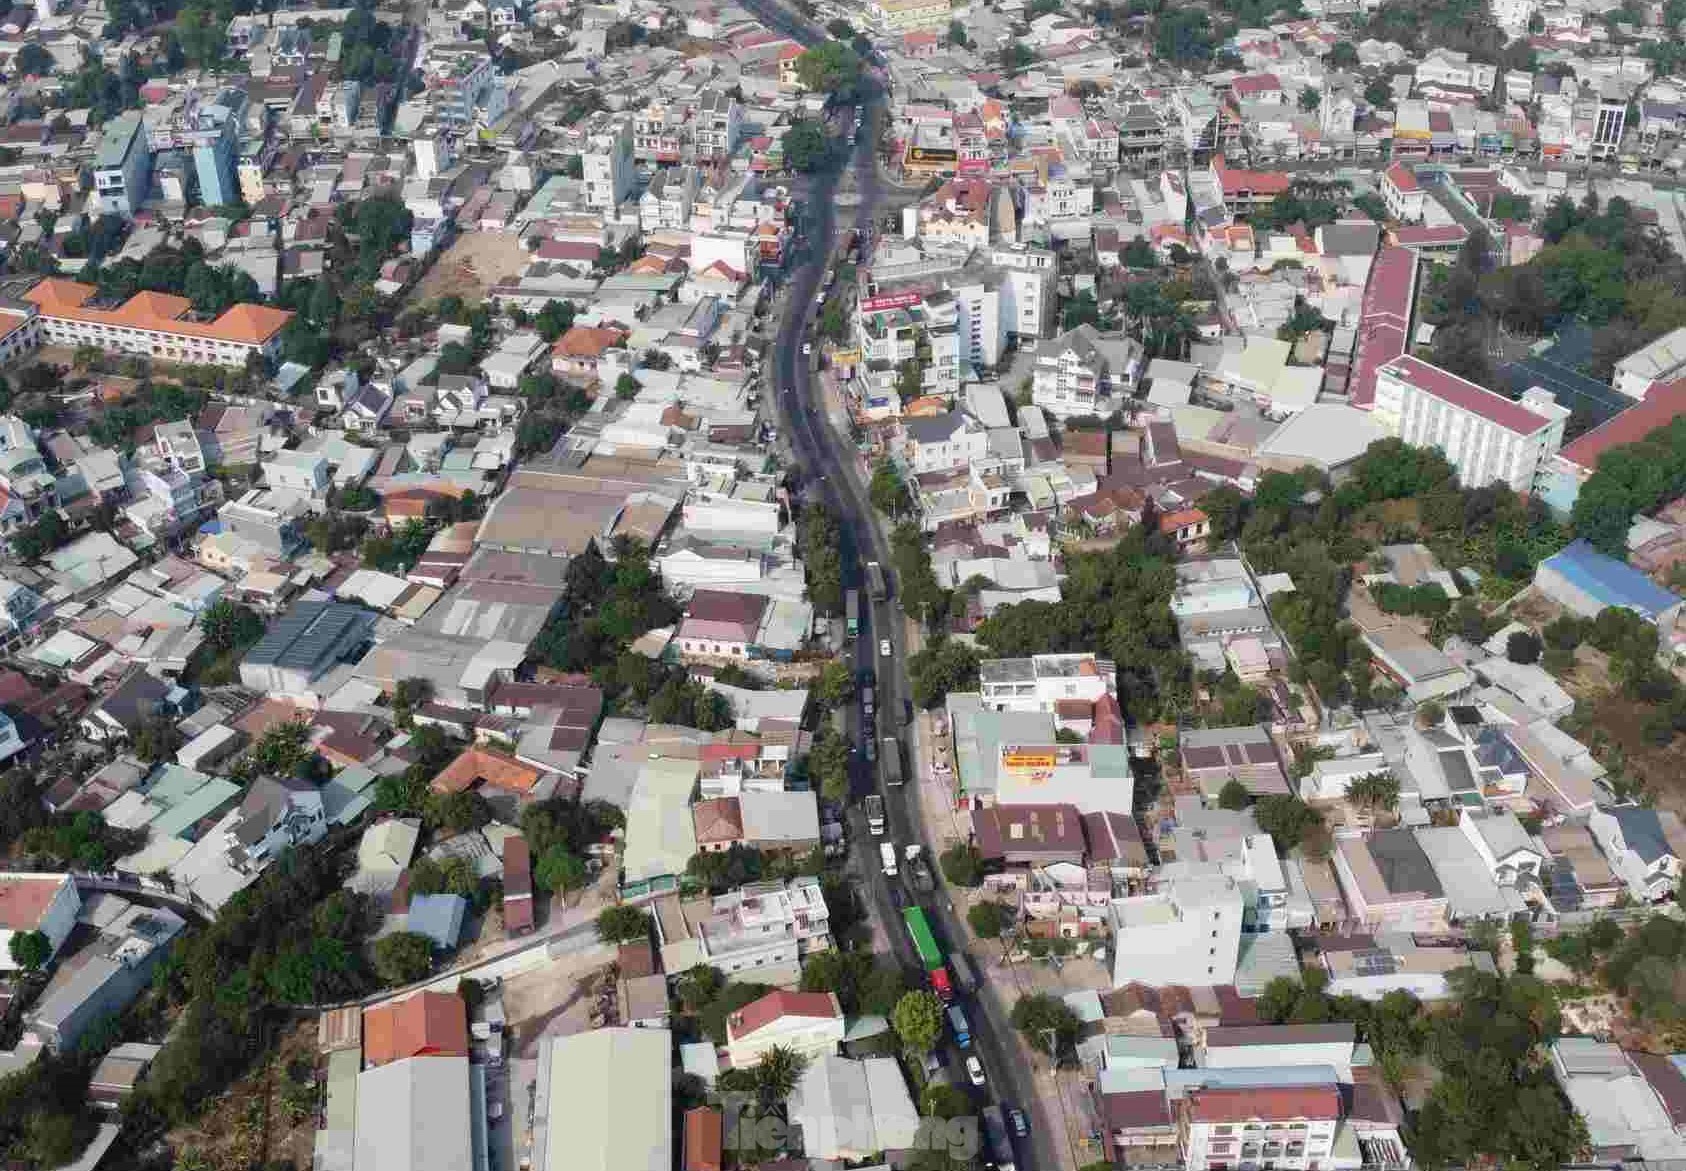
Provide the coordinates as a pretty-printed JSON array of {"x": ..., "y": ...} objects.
[
  {"x": 482, "y": 766},
  {"x": 427, "y": 1024}
]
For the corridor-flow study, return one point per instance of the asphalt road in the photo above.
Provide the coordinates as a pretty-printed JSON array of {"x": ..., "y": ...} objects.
[{"x": 830, "y": 470}]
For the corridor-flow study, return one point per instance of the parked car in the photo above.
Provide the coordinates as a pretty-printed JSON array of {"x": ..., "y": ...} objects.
[
  {"x": 884, "y": 647},
  {"x": 974, "y": 1070},
  {"x": 1016, "y": 1119}
]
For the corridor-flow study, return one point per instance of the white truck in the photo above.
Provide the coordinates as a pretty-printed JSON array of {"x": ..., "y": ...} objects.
[
  {"x": 887, "y": 855},
  {"x": 875, "y": 815}
]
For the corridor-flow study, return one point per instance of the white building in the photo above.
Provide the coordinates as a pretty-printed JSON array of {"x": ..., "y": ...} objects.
[
  {"x": 1487, "y": 437},
  {"x": 1660, "y": 361},
  {"x": 1289, "y": 1126},
  {"x": 1039, "y": 683},
  {"x": 764, "y": 928},
  {"x": 608, "y": 165},
  {"x": 304, "y": 472},
  {"x": 941, "y": 443},
  {"x": 1084, "y": 372},
  {"x": 1188, "y": 934},
  {"x": 1512, "y": 16}
]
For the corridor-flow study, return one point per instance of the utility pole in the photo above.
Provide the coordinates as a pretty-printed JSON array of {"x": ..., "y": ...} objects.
[{"x": 1054, "y": 1076}]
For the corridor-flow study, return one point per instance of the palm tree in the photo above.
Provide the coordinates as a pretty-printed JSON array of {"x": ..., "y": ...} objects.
[{"x": 776, "y": 1075}]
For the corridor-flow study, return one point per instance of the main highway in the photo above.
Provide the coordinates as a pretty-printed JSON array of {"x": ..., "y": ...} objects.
[{"x": 830, "y": 471}]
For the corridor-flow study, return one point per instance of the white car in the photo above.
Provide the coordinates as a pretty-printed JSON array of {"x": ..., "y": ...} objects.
[
  {"x": 974, "y": 1070},
  {"x": 807, "y": 348},
  {"x": 884, "y": 647}
]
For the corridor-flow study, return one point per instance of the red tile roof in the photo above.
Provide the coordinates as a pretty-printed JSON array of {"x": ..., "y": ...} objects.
[
  {"x": 1265, "y": 1103},
  {"x": 1028, "y": 829},
  {"x": 717, "y": 821},
  {"x": 1170, "y": 522},
  {"x": 1466, "y": 395},
  {"x": 24, "y": 899},
  {"x": 482, "y": 765},
  {"x": 428, "y": 1024},
  {"x": 1385, "y": 320},
  {"x": 517, "y": 885},
  {"x": 1135, "y": 1109},
  {"x": 1420, "y": 235},
  {"x": 160, "y": 312},
  {"x": 1255, "y": 84},
  {"x": 1258, "y": 182},
  {"x": 1402, "y": 178},
  {"x": 1661, "y": 405},
  {"x": 758, "y": 1014},
  {"x": 704, "y": 1134}
]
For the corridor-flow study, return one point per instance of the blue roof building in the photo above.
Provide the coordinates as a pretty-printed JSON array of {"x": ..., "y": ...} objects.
[
  {"x": 1586, "y": 581},
  {"x": 439, "y": 917}
]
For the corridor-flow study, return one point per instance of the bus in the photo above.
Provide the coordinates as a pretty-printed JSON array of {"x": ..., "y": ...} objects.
[
  {"x": 852, "y": 611},
  {"x": 890, "y": 758},
  {"x": 875, "y": 581},
  {"x": 999, "y": 1146},
  {"x": 930, "y": 955}
]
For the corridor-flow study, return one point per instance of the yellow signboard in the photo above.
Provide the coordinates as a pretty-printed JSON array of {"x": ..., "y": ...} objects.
[{"x": 1027, "y": 760}]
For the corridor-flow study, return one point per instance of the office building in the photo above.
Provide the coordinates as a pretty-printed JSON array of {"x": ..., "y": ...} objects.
[{"x": 122, "y": 166}]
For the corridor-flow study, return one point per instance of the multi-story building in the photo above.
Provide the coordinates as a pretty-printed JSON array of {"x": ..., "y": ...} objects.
[
  {"x": 155, "y": 325},
  {"x": 208, "y": 130},
  {"x": 1027, "y": 290},
  {"x": 757, "y": 928},
  {"x": 1081, "y": 371},
  {"x": 269, "y": 520},
  {"x": 608, "y": 166},
  {"x": 717, "y": 125},
  {"x": 122, "y": 166},
  {"x": 463, "y": 85},
  {"x": 1041, "y": 682},
  {"x": 1609, "y": 121},
  {"x": 658, "y": 133},
  {"x": 1487, "y": 437},
  {"x": 894, "y": 17},
  {"x": 23, "y": 470},
  {"x": 1188, "y": 933},
  {"x": 894, "y": 328},
  {"x": 1291, "y": 1127},
  {"x": 1403, "y": 194}
]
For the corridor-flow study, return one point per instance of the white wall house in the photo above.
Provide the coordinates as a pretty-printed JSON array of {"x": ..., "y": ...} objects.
[
  {"x": 47, "y": 903},
  {"x": 1504, "y": 845},
  {"x": 1038, "y": 683},
  {"x": 808, "y": 1023},
  {"x": 1643, "y": 847}
]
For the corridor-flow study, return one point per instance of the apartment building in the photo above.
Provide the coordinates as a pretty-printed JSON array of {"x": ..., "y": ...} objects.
[
  {"x": 1188, "y": 933},
  {"x": 155, "y": 325},
  {"x": 1487, "y": 437},
  {"x": 912, "y": 325},
  {"x": 607, "y": 159},
  {"x": 717, "y": 126},
  {"x": 939, "y": 443},
  {"x": 122, "y": 165},
  {"x": 462, "y": 85}
]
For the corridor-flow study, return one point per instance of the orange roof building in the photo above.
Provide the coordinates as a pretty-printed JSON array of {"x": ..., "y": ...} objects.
[
  {"x": 482, "y": 766},
  {"x": 428, "y": 1024},
  {"x": 155, "y": 325},
  {"x": 704, "y": 1134}
]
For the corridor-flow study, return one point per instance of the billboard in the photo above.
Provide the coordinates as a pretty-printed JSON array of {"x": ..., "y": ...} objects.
[
  {"x": 1030, "y": 760},
  {"x": 892, "y": 301},
  {"x": 932, "y": 156}
]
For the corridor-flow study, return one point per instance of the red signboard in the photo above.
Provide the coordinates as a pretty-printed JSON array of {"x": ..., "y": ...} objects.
[{"x": 891, "y": 301}]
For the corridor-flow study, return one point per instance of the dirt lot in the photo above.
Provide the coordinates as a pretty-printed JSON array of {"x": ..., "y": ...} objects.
[
  {"x": 265, "y": 1119},
  {"x": 473, "y": 263},
  {"x": 557, "y": 999}
]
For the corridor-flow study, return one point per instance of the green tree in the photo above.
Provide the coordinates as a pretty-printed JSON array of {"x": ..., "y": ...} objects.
[
  {"x": 961, "y": 865},
  {"x": 918, "y": 1021},
  {"x": 622, "y": 924},
  {"x": 1234, "y": 795},
  {"x": 407, "y": 696},
  {"x": 989, "y": 918},
  {"x": 30, "y": 950},
  {"x": 1524, "y": 646},
  {"x": 559, "y": 870},
  {"x": 887, "y": 491},
  {"x": 1374, "y": 791},
  {"x": 403, "y": 957},
  {"x": 777, "y": 1073},
  {"x": 829, "y": 67},
  {"x": 942, "y": 666},
  {"x": 828, "y": 765},
  {"x": 700, "y": 984},
  {"x": 1034, "y": 1014},
  {"x": 805, "y": 145},
  {"x": 1288, "y": 820}
]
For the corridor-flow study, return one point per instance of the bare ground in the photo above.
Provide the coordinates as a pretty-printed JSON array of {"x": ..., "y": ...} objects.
[
  {"x": 473, "y": 263},
  {"x": 251, "y": 1125}
]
